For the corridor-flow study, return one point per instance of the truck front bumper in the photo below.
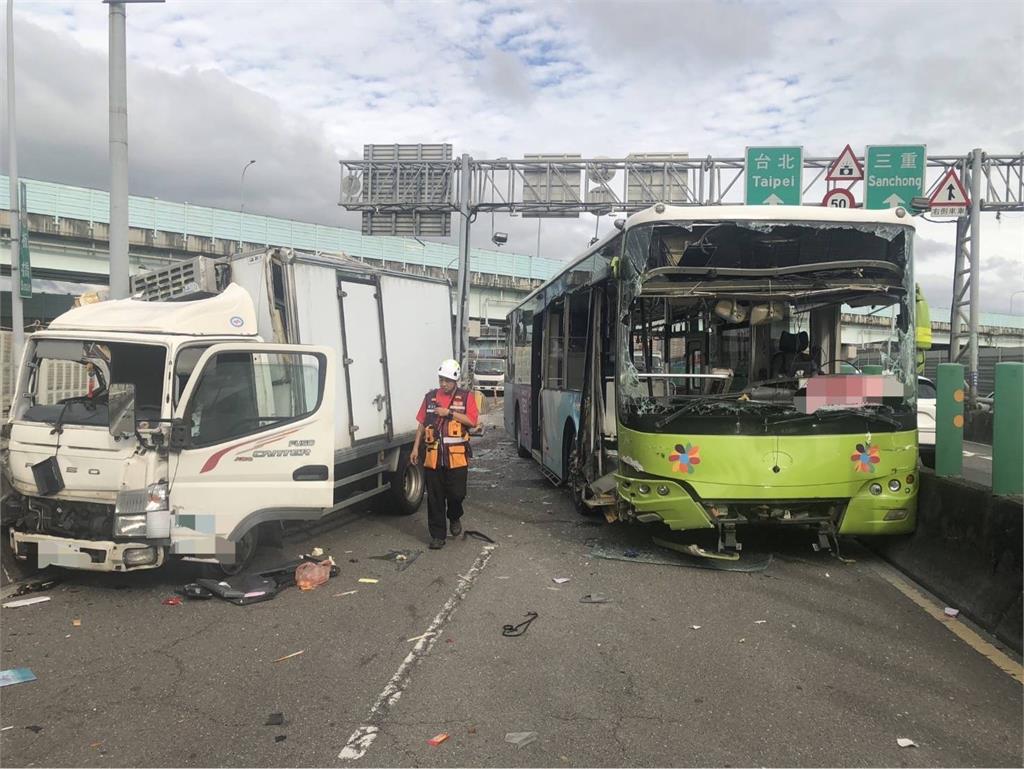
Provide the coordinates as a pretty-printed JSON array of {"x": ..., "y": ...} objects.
[{"x": 86, "y": 554}]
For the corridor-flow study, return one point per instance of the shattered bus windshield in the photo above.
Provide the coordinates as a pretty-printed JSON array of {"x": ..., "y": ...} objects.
[
  {"x": 738, "y": 325},
  {"x": 69, "y": 380}
]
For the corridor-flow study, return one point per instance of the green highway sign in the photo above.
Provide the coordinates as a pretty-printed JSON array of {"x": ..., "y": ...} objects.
[
  {"x": 24, "y": 263},
  {"x": 894, "y": 175},
  {"x": 774, "y": 176}
]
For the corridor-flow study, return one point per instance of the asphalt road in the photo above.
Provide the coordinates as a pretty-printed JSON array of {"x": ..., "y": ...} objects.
[
  {"x": 978, "y": 463},
  {"x": 812, "y": 662}
]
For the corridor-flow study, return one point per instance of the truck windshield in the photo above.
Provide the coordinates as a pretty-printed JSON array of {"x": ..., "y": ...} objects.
[
  {"x": 737, "y": 327},
  {"x": 69, "y": 380},
  {"x": 490, "y": 367}
]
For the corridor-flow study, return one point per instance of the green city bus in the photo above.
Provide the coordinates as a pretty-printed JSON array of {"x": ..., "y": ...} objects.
[{"x": 689, "y": 369}]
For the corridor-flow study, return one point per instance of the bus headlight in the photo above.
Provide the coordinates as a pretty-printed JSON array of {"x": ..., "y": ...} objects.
[
  {"x": 894, "y": 485},
  {"x": 875, "y": 488}
]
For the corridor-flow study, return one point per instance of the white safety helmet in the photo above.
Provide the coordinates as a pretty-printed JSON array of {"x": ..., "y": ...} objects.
[{"x": 450, "y": 369}]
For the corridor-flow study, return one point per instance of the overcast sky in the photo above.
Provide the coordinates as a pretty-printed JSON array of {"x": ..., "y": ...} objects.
[{"x": 299, "y": 85}]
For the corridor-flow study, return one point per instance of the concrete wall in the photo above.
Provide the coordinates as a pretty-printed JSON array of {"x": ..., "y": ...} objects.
[{"x": 967, "y": 550}]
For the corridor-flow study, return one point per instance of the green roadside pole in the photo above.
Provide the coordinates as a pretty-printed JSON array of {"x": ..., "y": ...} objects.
[
  {"x": 949, "y": 420},
  {"x": 1008, "y": 430}
]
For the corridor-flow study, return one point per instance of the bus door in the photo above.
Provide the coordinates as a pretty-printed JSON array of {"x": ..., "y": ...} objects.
[{"x": 536, "y": 377}]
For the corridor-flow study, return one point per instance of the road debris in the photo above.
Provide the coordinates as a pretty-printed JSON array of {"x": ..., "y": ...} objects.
[
  {"x": 13, "y": 676},
  {"x": 696, "y": 627},
  {"x": 401, "y": 558},
  {"x": 760, "y": 621},
  {"x": 949, "y": 611},
  {"x": 281, "y": 738},
  {"x": 4, "y": 729},
  {"x": 694, "y": 550},
  {"x": 309, "y": 575},
  {"x": 26, "y": 602},
  {"x": 172, "y": 601},
  {"x": 514, "y": 631},
  {"x": 905, "y": 742},
  {"x": 435, "y": 741},
  {"x": 368, "y": 580},
  {"x": 347, "y": 592},
  {"x": 743, "y": 640},
  {"x": 521, "y": 739},
  {"x": 289, "y": 656},
  {"x": 559, "y": 580},
  {"x": 275, "y": 719},
  {"x": 420, "y": 637},
  {"x": 595, "y": 598},
  {"x": 37, "y": 587},
  {"x": 751, "y": 562},
  {"x": 477, "y": 535},
  {"x": 76, "y": 623},
  {"x": 34, "y": 728}
]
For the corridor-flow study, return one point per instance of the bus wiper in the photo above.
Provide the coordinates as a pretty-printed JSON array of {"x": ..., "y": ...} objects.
[
  {"x": 731, "y": 399},
  {"x": 822, "y": 415}
]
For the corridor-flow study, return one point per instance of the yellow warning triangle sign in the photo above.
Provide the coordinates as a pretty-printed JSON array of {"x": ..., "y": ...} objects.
[
  {"x": 950, "y": 193},
  {"x": 846, "y": 168}
]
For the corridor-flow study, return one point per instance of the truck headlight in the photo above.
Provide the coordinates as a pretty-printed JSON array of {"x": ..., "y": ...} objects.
[
  {"x": 130, "y": 525},
  {"x": 151, "y": 499}
]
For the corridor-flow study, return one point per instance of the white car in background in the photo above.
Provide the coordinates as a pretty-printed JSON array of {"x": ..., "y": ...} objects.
[{"x": 926, "y": 396}]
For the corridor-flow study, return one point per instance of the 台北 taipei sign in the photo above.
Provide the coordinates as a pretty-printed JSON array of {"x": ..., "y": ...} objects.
[{"x": 774, "y": 176}]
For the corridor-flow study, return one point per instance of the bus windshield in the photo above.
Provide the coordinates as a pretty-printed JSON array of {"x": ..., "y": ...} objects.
[{"x": 738, "y": 325}]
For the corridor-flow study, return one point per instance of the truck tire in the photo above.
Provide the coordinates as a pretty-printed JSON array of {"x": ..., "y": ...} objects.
[
  {"x": 245, "y": 550},
  {"x": 523, "y": 453},
  {"x": 407, "y": 487}
]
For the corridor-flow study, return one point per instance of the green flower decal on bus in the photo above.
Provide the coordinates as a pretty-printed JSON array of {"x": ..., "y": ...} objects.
[
  {"x": 686, "y": 458},
  {"x": 865, "y": 457}
]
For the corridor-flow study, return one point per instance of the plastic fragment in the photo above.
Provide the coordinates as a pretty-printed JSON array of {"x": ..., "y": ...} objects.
[
  {"x": 949, "y": 611},
  {"x": 470, "y": 730},
  {"x": 289, "y": 656},
  {"x": 26, "y": 601},
  {"x": 521, "y": 739},
  {"x": 368, "y": 580},
  {"x": 347, "y": 592},
  {"x": 905, "y": 742},
  {"x": 595, "y": 598},
  {"x": 559, "y": 580},
  {"x": 827, "y": 574},
  {"x": 435, "y": 741},
  {"x": 419, "y": 637},
  {"x": 6, "y": 728},
  {"x": 275, "y": 719},
  {"x": 696, "y": 627},
  {"x": 172, "y": 601},
  {"x": 281, "y": 738},
  {"x": 16, "y": 676},
  {"x": 760, "y": 621},
  {"x": 743, "y": 640},
  {"x": 76, "y": 623}
]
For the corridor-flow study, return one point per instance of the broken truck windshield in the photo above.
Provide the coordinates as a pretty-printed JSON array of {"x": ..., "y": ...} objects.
[
  {"x": 69, "y": 380},
  {"x": 739, "y": 325}
]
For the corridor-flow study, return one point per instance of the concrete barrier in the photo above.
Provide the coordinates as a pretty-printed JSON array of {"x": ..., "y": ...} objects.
[{"x": 967, "y": 550}]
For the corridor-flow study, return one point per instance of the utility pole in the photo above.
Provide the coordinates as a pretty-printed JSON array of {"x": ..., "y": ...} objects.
[
  {"x": 118, "y": 96},
  {"x": 17, "y": 312},
  {"x": 462, "y": 317}
]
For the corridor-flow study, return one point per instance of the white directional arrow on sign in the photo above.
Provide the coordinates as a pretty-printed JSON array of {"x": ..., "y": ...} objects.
[
  {"x": 894, "y": 200},
  {"x": 773, "y": 200}
]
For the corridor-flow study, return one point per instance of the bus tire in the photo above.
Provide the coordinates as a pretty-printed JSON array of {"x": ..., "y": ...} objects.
[
  {"x": 407, "y": 487},
  {"x": 523, "y": 453}
]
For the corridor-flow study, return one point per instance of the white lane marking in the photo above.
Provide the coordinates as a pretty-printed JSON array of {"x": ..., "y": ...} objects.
[{"x": 362, "y": 738}]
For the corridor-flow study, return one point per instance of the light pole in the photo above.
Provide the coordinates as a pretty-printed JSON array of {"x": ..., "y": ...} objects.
[
  {"x": 17, "y": 314},
  {"x": 241, "y": 194}
]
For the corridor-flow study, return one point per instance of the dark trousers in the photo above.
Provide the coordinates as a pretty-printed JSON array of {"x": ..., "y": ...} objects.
[{"x": 446, "y": 488}]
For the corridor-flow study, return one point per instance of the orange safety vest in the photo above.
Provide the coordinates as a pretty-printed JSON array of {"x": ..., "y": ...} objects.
[{"x": 447, "y": 440}]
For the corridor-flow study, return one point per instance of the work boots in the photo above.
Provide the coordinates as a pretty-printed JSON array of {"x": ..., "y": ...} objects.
[{"x": 456, "y": 527}]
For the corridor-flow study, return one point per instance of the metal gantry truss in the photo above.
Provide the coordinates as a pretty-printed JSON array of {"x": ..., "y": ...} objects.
[{"x": 422, "y": 185}]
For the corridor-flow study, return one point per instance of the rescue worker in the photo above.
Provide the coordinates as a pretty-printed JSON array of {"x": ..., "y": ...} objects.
[{"x": 445, "y": 418}]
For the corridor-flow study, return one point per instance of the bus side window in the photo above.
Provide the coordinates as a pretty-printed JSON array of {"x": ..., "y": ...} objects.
[
  {"x": 555, "y": 338},
  {"x": 579, "y": 311}
]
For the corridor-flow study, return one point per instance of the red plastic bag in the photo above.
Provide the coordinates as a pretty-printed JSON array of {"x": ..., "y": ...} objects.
[{"x": 310, "y": 575}]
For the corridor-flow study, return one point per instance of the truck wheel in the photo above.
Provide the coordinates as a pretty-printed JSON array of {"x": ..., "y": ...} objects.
[
  {"x": 407, "y": 487},
  {"x": 245, "y": 549},
  {"x": 523, "y": 453}
]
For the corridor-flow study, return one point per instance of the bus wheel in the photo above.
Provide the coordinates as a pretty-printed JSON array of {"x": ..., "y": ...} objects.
[
  {"x": 523, "y": 453},
  {"x": 407, "y": 487}
]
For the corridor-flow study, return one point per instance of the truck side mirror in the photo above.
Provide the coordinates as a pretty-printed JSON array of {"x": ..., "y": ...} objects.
[{"x": 121, "y": 409}]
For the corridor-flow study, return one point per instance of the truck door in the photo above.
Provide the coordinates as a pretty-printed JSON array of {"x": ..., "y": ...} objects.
[
  {"x": 253, "y": 441},
  {"x": 365, "y": 364}
]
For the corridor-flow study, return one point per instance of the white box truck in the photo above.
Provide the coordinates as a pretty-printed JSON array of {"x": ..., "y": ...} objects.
[{"x": 225, "y": 396}]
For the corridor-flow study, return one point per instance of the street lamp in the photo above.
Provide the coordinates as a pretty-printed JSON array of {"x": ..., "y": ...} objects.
[{"x": 241, "y": 194}]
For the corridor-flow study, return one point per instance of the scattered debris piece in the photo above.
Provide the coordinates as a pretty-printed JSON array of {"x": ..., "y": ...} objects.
[
  {"x": 595, "y": 598},
  {"x": 435, "y": 741},
  {"x": 905, "y": 742},
  {"x": 368, "y": 580},
  {"x": 470, "y": 730},
  {"x": 281, "y": 738},
  {"x": 37, "y": 587},
  {"x": 514, "y": 631},
  {"x": 556, "y": 589},
  {"x": 309, "y": 575},
  {"x": 696, "y": 627},
  {"x": 275, "y": 719},
  {"x": 521, "y": 739},
  {"x": 694, "y": 550},
  {"x": 195, "y": 591},
  {"x": 743, "y": 640},
  {"x": 951, "y": 612},
  {"x": 401, "y": 558},
  {"x": 289, "y": 656},
  {"x": 76, "y": 623},
  {"x": 631, "y": 553},
  {"x": 477, "y": 535},
  {"x": 503, "y": 577},
  {"x": 16, "y": 676},
  {"x": 827, "y": 574},
  {"x": 317, "y": 552},
  {"x": 347, "y": 592},
  {"x": 559, "y": 580},
  {"x": 34, "y": 728},
  {"x": 420, "y": 637},
  {"x": 172, "y": 601},
  {"x": 26, "y": 601},
  {"x": 760, "y": 621},
  {"x": 6, "y": 728},
  {"x": 751, "y": 562},
  {"x": 96, "y": 744}
]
